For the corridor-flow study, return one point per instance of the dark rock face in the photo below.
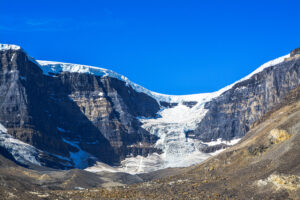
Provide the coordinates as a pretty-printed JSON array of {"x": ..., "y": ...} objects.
[
  {"x": 97, "y": 113},
  {"x": 167, "y": 104},
  {"x": 111, "y": 107},
  {"x": 189, "y": 104},
  {"x": 295, "y": 52},
  {"x": 231, "y": 114}
]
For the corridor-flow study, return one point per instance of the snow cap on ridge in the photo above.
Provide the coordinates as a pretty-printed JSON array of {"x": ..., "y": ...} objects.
[
  {"x": 5, "y": 47},
  {"x": 50, "y": 67}
]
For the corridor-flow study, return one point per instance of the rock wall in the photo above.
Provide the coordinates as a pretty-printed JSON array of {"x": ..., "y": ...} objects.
[
  {"x": 96, "y": 113},
  {"x": 232, "y": 114}
]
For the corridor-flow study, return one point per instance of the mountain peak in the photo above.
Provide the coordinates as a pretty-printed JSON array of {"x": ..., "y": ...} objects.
[{"x": 4, "y": 47}]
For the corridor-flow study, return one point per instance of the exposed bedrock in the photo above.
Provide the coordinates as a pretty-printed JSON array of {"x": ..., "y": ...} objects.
[
  {"x": 66, "y": 113},
  {"x": 96, "y": 113},
  {"x": 232, "y": 113}
]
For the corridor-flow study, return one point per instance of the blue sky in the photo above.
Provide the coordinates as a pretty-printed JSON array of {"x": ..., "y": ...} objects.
[{"x": 172, "y": 47}]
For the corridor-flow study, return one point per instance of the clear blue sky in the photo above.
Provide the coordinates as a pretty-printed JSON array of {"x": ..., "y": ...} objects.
[{"x": 173, "y": 47}]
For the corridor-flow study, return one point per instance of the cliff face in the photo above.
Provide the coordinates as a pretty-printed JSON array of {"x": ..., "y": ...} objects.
[
  {"x": 70, "y": 112},
  {"x": 264, "y": 165},
  {"x": 232, "y": 113},
  {"x": 75, "y": 118}
]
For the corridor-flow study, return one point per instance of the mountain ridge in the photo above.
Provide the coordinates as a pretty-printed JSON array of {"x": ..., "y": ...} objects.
[{"x": 91, "y": 114}]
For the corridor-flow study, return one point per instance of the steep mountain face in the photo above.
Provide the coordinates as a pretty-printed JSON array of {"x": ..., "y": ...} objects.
[
  {"x": 226, "y": 115},
  {"x": 72, "y": 115},
  {"x": 231, "y": 114},
  {"x": 76, "y": 115},
  {"x": 264, "y": 165}
]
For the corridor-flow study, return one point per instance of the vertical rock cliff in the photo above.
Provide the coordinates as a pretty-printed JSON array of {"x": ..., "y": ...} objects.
[
  {"x": 72, "y": 115},
  {"x": 231, "y": 114}
]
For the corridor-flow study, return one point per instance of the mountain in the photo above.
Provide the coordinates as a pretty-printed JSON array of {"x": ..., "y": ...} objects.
[
  {"x": 64, "y": 116},
  {"x": 71, "y": 117},
  {"x": 263, "y": 165}
]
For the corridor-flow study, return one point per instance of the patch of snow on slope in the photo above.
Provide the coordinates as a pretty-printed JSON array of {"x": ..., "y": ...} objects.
[
  {"x": 100, "y": 167},
  {"x": 22, "y": 152},
  {"x": 79, "y": 158},
  {"x": 3, "y": 129},
  {"x": 220, "y": 141}
]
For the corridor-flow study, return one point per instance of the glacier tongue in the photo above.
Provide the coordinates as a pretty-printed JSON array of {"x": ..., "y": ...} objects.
[{"x": 178, "y": 151}]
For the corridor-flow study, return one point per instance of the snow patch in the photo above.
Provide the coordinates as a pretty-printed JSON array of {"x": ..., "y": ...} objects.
[
  {"x": 100, "y": 167},
  {"x": 5, "y": 47},
  {"x": 22, "y": 152},
  {"x": 3, "y": 129},
  {"x": 220, "y": 141},
  {"x": 79, "y": 158},
  {"x": 62, "y": 130}
]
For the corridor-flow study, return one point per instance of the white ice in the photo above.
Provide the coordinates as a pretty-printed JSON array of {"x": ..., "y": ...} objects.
[
  {"x": 79, "y": 158},
  {"x": 22, "y": 152}
]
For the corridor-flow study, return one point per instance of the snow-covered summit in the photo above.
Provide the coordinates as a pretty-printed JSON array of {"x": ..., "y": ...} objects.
[
  {"x": 51, "y": 67},
  {"x": 5, "y": 47}
]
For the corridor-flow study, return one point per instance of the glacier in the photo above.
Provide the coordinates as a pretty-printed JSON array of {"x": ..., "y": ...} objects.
[
  {"x": 178, "y": 151},
  {"x": 170, "y": 127}
]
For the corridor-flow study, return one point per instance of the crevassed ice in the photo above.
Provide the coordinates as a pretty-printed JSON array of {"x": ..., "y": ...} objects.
[{"x": 178, "y": 151}]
